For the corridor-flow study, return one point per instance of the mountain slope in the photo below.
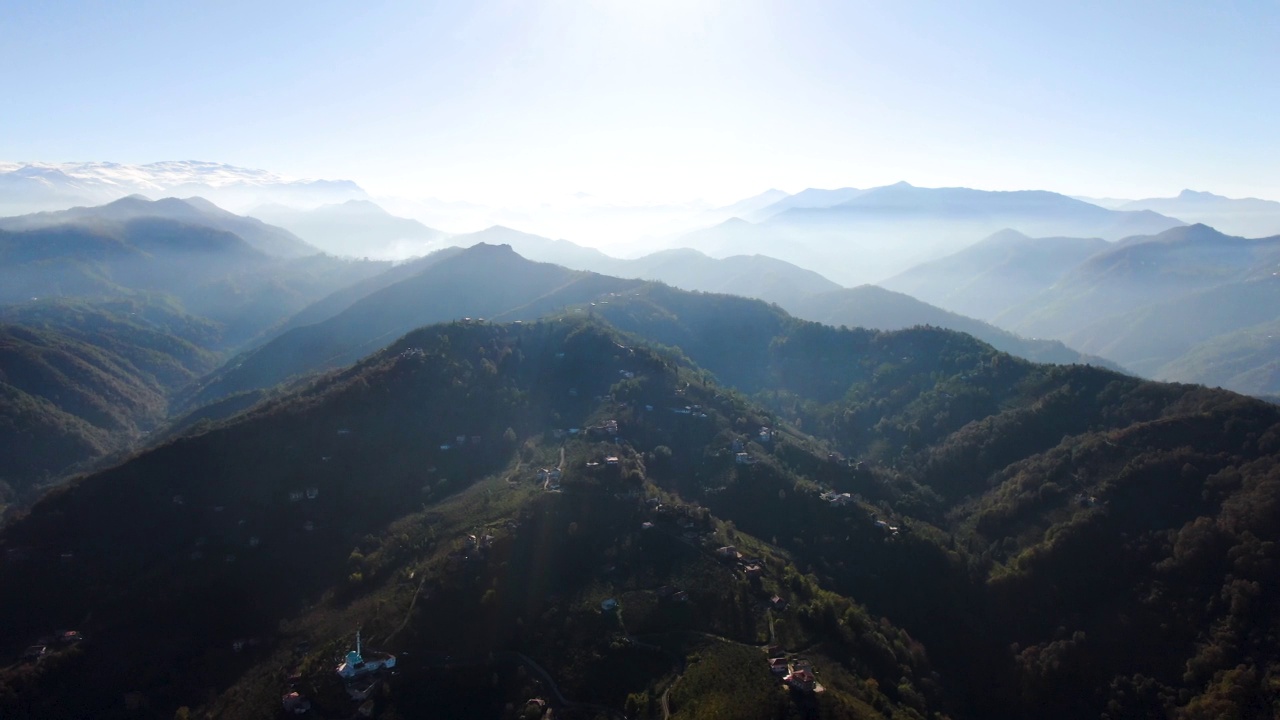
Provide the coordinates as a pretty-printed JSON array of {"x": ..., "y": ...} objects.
[
  {"x": 483, "y": 281},
  {"x": 1056, "y": 541},
  {"x": 211, "y": 273},
  {"x": 194, "y": 211},
  {"x": 472, "y": 605},
  {"x": 880, "y": 309},
  {"x": 83, "y": 379},
  {"x": 1140, "y": 271},
  {"x": 996, "y": 274}
]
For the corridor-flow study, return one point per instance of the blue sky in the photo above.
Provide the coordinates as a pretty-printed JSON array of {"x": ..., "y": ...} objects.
[{"x": 658, "y": 100}]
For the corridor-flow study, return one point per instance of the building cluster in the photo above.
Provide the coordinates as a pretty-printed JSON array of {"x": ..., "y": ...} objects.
[{"x": 795, "y": 673}]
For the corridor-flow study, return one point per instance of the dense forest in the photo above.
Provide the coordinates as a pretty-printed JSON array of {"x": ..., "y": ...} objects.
[{"x": 934, "y": 527}]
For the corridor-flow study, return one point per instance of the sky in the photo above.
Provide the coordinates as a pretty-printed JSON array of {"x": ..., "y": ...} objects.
[{"x": 658, "y": 101}]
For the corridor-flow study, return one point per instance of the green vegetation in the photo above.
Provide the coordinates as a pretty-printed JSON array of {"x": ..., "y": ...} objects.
[{"x": 1017, "y": 540}]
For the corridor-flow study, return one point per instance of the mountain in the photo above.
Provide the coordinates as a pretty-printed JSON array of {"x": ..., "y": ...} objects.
[
  {"x": 995, "y": 274},
  {"x": 1245, "y": 359},
  {"x": 355, "y": 228},
  {"x": 541, "y": 249},
  {"x": 341, "y": 299},
  {"x": 211, "y": 272},
  {"x": 1017, "y": 539},
  {"x": 884, "y": 231},
  {"x": 494, "y": 282},
  {"x": 755, "y": 276},
  {"x": 807, "y": 198},
  {"x": 1138, "y": 271},
  {"x": 32, "y": 187},
  {"x": 1248, "y": 217},
  {"x": 502, "y": 385},
  {"x": 82, "y": 380},
  {"x": 191, "y": 211},
  {"x": 876, "y": 308},
  {"x": 484, "y": 281},
  {"x": 753, "y": 204}
]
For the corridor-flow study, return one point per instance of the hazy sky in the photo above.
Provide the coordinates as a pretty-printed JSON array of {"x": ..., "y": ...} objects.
[{"x": 658, "y": 99}]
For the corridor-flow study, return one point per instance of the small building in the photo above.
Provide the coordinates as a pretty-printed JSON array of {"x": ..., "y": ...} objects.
[
  {"x": 765, "y": 435},
  {"x": 743, "y": 459},
  {"x": 801, "y": 679},
  {"x": 728, "y": 552},
  {"x": 357, "y": 664},
  {"x": 778, "y": 666},
  {"x": 609, "y": 605},
  {"x": 777, "y": 602},
  {"x": 611, "y": 461},
  {"x": 841, "y": 500},
  {"x": 69, "y": 637},
  {"x": 295, "y": 704},
  {"x": 646, "y": 525},
  {"x": 753, "y": 571}
]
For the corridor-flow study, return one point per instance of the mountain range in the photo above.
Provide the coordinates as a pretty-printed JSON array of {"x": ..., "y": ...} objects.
[
  {"x": 874, "y": 234},
  {"x": 548, "y": 487},
  {"x": 1247, "y": 217},
  {"x": 1013, "y": 536},
  {"x": 32, "y": 187},
  {"x": 1189, "y": 304}
]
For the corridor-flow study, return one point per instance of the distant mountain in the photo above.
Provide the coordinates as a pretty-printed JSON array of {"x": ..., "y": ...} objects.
[
  {"x": 996, "y": 274},
  {"x": 1138, "y": 271},
  {"x": 192, "y": 211},
  {"x": 874, "y": 307},
  {"x": 1190, "y": 304},
  {"x": 1248, "y": 217},
  {"x": 31, "y": 187},
  {"x": 753, "y": 204},
  {"x": 341, "y": 299},
  {"x": 753, "y": 276},
  {"x": 884, "y": 231},
  {"x": 355, "y": 228},
  {"x": 485, "y": 281},
  {"x": 808, "y": 198},
  {"x": 541, "y": 249}
]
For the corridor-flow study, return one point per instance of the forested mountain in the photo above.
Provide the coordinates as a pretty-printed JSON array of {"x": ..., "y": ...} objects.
[
  {"x": 884, "y": 231},
  {"x": 355, "y": 228},
  {"x": 83, "y": 379},
  {"x": 876, "y": 308},
  {"x": 1190, "y": 304},
  {"x": 482, "y": 281},
  {"x": 212, "y": 273},
  {"x": 1024, "y": 539},
  {"x": 107, "y": 312},
  {"x": 495, "y": 282}
]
